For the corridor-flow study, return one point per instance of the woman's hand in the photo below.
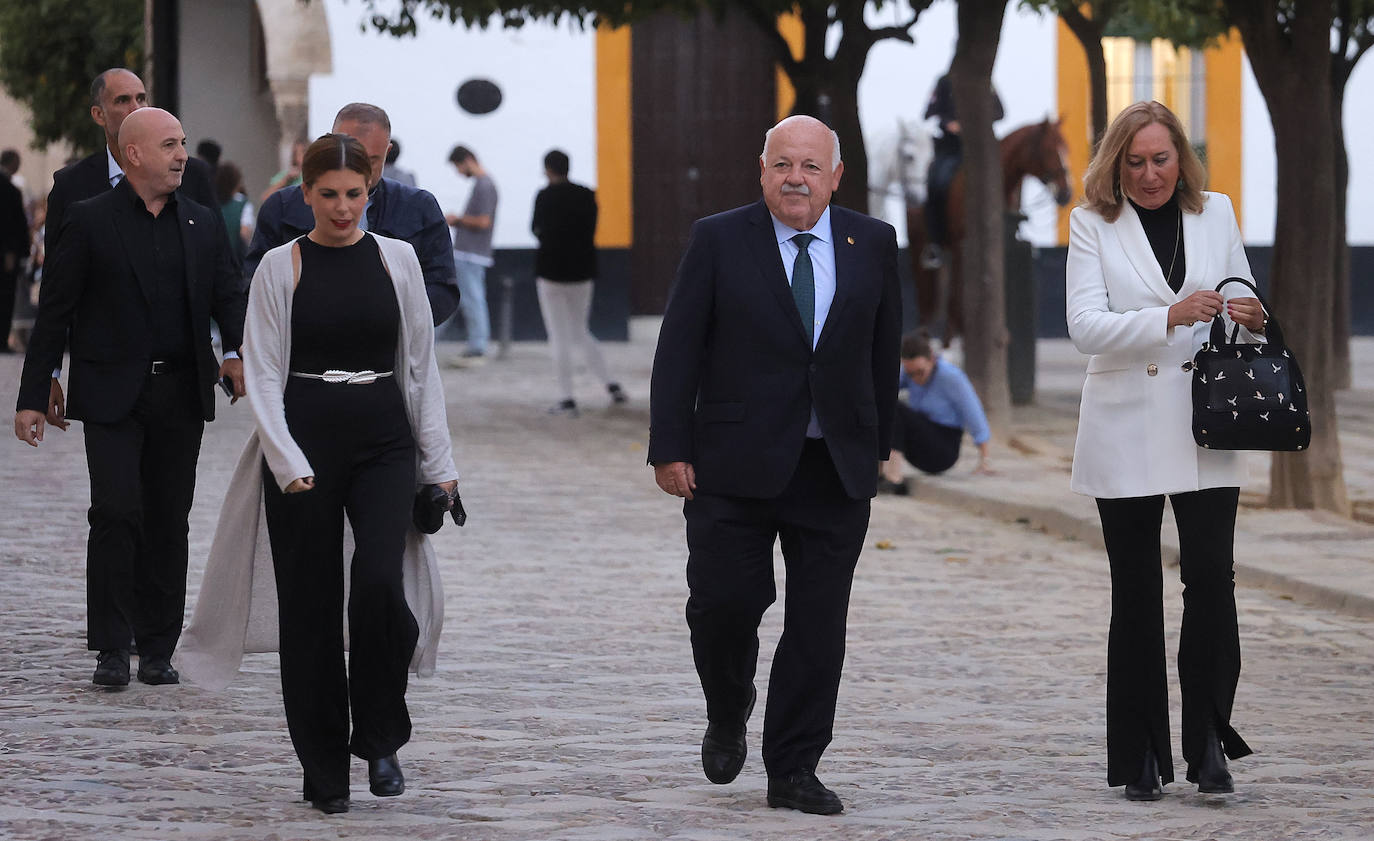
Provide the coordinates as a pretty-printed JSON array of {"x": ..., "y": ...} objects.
[
  {"x": 1203, "y": 305},
  {"x": 305, "y": 483},
  {"x": 1247, "y": 312},
  {"x": 449, "y": 487}
]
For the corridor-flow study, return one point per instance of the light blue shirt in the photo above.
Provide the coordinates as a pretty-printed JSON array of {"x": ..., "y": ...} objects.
[
  {"x": 948, "y": 399},
  {"x": 114, "y": 170},
  {"x": 822, "y": 252}
]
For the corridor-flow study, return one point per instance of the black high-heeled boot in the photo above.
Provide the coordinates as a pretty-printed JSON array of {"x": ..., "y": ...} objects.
[
  {"x": 1146, "y": 786},
  {"x": 1212, "y": 775}
]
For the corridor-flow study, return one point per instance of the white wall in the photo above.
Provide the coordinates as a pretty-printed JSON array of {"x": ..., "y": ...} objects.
[
  {"x": 547, "y": 78},
  {"x": 1260, "y": 168}
]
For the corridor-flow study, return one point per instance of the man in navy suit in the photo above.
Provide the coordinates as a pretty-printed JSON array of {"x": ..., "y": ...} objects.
[
  {"x": 138, "y": 273},
  {"x": 771, "y": 403}
]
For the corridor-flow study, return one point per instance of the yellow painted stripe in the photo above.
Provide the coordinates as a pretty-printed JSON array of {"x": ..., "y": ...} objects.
[
  {"x": 1225, "y": 131},
  {"x": 614, "y": 194},
  {"x": 792, "y": 31},
  {"x": 1075, "y": 109}
]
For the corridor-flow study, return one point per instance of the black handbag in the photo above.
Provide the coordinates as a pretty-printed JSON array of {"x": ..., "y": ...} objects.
[
  {"x": 431, "y": 503},
  {"x": 1249, "y": 397}
]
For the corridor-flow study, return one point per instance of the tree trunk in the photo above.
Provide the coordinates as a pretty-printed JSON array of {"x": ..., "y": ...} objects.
[
  {"x": 1340, "y": 324},
  {"x": 981, "y": 254},
  {"x": 1089, "y": 31},
  {"x": 828, "y": 89},
  {"x": 1293, "y": 73}
]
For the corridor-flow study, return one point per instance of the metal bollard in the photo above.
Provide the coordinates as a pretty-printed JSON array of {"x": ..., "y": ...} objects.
[{"x": 507, "y": 315}]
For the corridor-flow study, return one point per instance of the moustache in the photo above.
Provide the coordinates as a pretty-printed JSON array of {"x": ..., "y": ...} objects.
[{"x": 799, "y": 189}]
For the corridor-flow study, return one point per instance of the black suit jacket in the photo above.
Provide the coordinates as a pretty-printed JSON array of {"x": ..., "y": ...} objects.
[
  {"x": 735, "y": 380},
  {"x": 96, "y": 288},
  {"x": 90, "y": 176}
]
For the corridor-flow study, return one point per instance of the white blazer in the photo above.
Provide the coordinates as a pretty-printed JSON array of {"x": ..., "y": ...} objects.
[{"x": 1135, "y": 419}]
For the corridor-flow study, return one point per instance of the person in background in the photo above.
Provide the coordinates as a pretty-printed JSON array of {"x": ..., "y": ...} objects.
[
  {"x": 949, "y": 155},
  {"x": 234, "y": 206},
  {"x": 393, "y": 170},
  {"x": 472, "y": 231},
  {"x": 210, "y": 151},
  {"x": 393, "y": 210},
  {"x": 565, "y": 270},
  {"x": 940, "y": 406},
  {"x": 14, "y": 251},
  {"x": 290, "y": 176},
  {"x": 1147, "y": 248}
]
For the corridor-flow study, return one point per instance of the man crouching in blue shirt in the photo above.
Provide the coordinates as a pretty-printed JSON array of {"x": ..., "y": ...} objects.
[{"x": 940, "y": 405}]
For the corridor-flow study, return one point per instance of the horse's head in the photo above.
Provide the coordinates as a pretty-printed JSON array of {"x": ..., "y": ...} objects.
[{"x": 1048, "y": 159}]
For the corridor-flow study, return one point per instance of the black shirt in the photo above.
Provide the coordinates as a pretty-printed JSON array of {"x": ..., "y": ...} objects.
[
  {"x": 1164, "y": 229},
  {"x": 344, "y": 314},
  {"x": 169, "y": 312},
  {"x": 565, "y": 225}
]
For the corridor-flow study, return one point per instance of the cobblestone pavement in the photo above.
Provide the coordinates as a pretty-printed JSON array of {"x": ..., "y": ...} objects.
[{"x": 565, "y": 705}]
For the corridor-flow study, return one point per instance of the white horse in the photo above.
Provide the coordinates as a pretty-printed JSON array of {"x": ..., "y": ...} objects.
[{"x": 898, "y": 159}]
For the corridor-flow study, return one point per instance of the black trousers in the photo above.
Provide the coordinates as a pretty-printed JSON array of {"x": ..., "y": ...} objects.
[
  {"x": 143, "y": 478},
  {"x": 930, "y": 447},
  {"x": 9, "y": 289},
  {"x": 730, "y": 579},
  {"x": 358, "y": 441},
  {"x": 939, "y": 179},
  {"x": 1209, "y": 642}
]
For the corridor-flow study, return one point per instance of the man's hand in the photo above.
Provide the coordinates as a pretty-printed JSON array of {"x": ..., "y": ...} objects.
[
  {"x": 57, "y": 407},
  {"x": 676, "y": 478},
  {"x": 233, "y": 369},
  {"x": 28, "y": 426},
  {"x": 305, "y": 483}
]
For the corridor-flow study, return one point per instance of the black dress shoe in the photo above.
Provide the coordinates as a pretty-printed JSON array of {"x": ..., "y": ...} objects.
[
  {"x": 384, "y": 776},
  {"x": 724, "y": 747},
  {"x": 1212, "y": 776},
  {"x": 801, "y": 790},
  {"x": 1146, "y": 786},
  {"x": 331, "y": 805},
  {"x": 111, "y": 668},
  {"x": 157, "y": 671}
]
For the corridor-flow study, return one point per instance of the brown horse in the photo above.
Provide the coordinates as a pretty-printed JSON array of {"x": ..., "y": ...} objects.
[{"x": 1036, "y": 150}]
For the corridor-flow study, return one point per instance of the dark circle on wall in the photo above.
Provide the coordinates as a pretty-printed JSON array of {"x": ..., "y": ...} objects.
[{"x": 479, "y": 96}]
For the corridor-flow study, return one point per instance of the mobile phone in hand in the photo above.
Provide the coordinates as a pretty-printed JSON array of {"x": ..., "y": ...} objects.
[{"x": 228, "y": 386}]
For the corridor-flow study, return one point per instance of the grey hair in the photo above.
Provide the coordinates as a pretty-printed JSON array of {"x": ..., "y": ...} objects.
[
  {"x": 98, "y": 84},
  {"x": 363, "y": 113},
  {"x": 834, "y": 154}
]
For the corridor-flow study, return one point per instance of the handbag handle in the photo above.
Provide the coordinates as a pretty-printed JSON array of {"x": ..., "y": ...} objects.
[{"x": 1273, "y": 333}]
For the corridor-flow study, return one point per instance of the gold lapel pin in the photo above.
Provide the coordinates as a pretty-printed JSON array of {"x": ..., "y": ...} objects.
[{"x": 849, "y": 240}]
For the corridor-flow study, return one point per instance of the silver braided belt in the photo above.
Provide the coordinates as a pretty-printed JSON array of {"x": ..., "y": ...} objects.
[{"x": 344, "y": 377}]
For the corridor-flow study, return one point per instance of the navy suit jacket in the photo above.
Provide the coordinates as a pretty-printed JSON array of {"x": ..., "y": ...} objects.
[
  {"x": 735, "y": 379},
  {"x": 397, "y": 210},
  {"x": 96, "y": 287}
]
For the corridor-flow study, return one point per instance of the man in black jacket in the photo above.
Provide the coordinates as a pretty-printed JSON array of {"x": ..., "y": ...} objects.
[
  {"x": 138, "y": 273},
  {"x": 115, "y": 94},
  {"x": 772, "y": 401}
]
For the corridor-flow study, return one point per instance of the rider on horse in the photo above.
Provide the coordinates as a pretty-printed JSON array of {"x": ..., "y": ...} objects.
[{"x": 949, "y": 153}]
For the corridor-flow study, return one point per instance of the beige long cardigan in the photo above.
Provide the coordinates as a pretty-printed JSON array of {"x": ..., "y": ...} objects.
[{"x": 236, "y": 611}]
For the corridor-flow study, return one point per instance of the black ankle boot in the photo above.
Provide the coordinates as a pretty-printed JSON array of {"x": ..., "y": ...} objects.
[
  {"x": 1146, "y": 786},
  {"x": 1212, "y": 776}
]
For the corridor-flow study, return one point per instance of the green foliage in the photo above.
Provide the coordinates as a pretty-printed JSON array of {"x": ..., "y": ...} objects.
[{"x": 50, "y": 50}]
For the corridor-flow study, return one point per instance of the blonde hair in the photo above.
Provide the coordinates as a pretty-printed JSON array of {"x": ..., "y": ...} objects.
[{"x": 1102, "y": 182}]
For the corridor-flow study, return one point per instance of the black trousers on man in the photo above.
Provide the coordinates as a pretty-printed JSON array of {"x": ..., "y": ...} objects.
[
  {"x": 358, "y": 441},
  {"x": 1209, "y": 642},
  {"x": 730, "y": 578},
  {"x": 143, "y": 478},
  {"x": 928, "y": 446}
]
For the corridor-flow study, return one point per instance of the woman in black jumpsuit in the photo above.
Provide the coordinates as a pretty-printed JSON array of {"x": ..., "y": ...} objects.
[{"x": 346, "y": 413}]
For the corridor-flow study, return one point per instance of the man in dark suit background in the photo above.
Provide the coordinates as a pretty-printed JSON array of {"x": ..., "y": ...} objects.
[
  {"x": 14, "y": 249},
  {"x": 137, "y": 275},
  {"x": 396, "y": 210},
  {"x": 770, "y": 408},
  {"x": 115, "y": 94}
]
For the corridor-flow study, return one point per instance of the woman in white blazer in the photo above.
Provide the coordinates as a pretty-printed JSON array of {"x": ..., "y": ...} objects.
[{"x": 1146, "y": 250}]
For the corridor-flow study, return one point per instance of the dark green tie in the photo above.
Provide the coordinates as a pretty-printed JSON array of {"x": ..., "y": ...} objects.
[{"x": 804, "y": 285}]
